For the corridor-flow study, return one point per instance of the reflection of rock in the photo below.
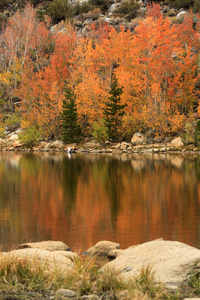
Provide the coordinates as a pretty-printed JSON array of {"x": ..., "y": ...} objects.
[
  {"x": 138, "y": 139},
  {"x": 102, "y": 248},
  {"x": 137, "y": 164},
  {"x": 177, "y": 143},
  {"x": 46, "y": 245},
  {"x": 176, "y": 161},
  {"x": 14, "y": 160},
  {"x": 171, "y": 261}
]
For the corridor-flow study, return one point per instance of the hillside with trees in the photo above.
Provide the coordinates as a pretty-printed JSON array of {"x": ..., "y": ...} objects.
[{"x": 155, "y": 61}]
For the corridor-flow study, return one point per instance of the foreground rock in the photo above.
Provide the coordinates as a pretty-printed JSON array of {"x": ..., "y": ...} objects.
[
  {"x": 46, "y": 245},
  {"x": 172, "y": 262},
  {"x": 102, "y": 248},
  {"x": 46, "y": 258}
]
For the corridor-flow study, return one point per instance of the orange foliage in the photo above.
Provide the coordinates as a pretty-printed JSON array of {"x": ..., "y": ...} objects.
[{"x": 157, "y": 65}]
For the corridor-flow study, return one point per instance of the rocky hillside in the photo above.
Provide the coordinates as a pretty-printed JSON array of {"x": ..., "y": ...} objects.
[{"x": 84, "y": 12}]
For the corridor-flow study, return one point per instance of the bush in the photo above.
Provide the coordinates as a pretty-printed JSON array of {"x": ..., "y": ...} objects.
[
  {"x": 12, "y": 122},
  {"x": 129, "y": 8},
  {"x": 196, "y": 6},
  {"x": 197, "y": 133},
  {"x": 59, "y": 10},
  {"x": 81, "y": 8},
  {"x": 30, "y": 137},
  {"x": 128, "y": 127},
  {"x": 103, "y": 4},
  {"x": 100, "y": 131},
  {"x": 186, "y": 4}
]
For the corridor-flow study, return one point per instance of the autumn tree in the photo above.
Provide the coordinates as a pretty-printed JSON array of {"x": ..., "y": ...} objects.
[
  {"x": 69, "y": 117},
  {"x": 114, "y": 110}
]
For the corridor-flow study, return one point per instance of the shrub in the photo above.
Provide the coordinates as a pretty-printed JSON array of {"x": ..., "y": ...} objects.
[
  {"x": 128, "y": 126},
  {"x": 81, "y": 8},
  {"x": 186, "y": 4},
  {"x": 197, "y": 133},
  {"x": 30, "y": 137},
  {"x": 129, "y": 8},
  {"x": 103, "y": 4},
  {"x": 12, "y": 121},
  {"x": 59, "y": 10},
  {"x": 196, "y": 6},
  {"x": 100, "y": 131}
]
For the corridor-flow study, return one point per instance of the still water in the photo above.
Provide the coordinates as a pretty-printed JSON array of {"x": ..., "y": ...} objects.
[{"x": 83, "y": 199}]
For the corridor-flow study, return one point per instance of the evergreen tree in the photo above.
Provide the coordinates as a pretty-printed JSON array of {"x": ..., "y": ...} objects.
[
  {"x": 70, "y": 128},
  {"x": 114, "y": 110}
]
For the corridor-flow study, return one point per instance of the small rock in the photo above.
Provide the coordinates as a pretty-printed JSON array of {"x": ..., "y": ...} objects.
[
  {"x": 122, "y": 295},
  {"x": 177, "y": 143},
  {"x": 102, "y": 248},
  {"x": 42, "y": 144},
  {"x": 138, "y": 139},
  {"x": 90, "y": 297},
  {"x": 67, "y": 293},
  {"x": 114, "y": 253},
  {"x": 17, "y": 144},
  {"x": 13, "y": 137},
  {"x": 56, "y": 145},
  {"x": 46, "y": 245},
  {"x": 117, "y": 146},
  {"x": 124, "y": 146},
  {"x": 181, "y": 15}
]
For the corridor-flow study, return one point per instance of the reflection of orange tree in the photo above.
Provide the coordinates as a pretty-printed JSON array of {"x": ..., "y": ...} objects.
[{"x": 80, "y": 207}]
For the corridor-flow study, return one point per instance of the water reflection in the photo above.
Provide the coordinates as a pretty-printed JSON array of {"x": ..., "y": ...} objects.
[{"x": 86, "y": 198}]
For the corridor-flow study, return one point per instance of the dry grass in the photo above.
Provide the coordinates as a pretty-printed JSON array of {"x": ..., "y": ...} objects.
[{"x": 85, "y": 278}]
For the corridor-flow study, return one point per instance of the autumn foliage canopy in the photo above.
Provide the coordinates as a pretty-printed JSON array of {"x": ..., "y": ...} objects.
[{"x": 157, "y": 65}]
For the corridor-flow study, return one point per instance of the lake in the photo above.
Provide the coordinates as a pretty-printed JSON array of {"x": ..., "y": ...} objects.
[{"x": 83, "y": 199}]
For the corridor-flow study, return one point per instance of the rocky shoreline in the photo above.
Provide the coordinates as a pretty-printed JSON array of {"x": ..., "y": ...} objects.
[
  {"x": 138, "y": 144},
  {"x": 170, "y": 262}
]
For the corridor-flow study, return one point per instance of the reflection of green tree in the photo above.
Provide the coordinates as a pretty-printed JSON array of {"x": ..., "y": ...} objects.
[
  {"x": 110, "y": 174},
  {"x": 71, "y": 169}
]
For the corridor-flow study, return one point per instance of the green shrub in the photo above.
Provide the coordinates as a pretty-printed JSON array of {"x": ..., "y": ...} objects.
[
  {"x": 59, "y": 10},
  {"x": 12, "y": 121},
  {"x": 186, "y": 4},
  {"x": 197, "y": 133},
  {"x": 189, "y": 132},
  {"x": 100, "y": 131},
  {"x": 81, "y": 8},
  {"x": 129, "y": 8},
  {"x": 103, "y": 4},
  {"x": 196, "y": 6},
  {"x": 30, "y": 137}
]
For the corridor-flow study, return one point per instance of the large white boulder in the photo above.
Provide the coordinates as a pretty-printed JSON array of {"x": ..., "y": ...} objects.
[{"x": 171, "y": 261}]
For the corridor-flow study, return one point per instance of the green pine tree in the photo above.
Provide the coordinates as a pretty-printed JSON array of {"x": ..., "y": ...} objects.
[
  {"x": 70, "y": 128},
  {"x": 114, "y": 110}
]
